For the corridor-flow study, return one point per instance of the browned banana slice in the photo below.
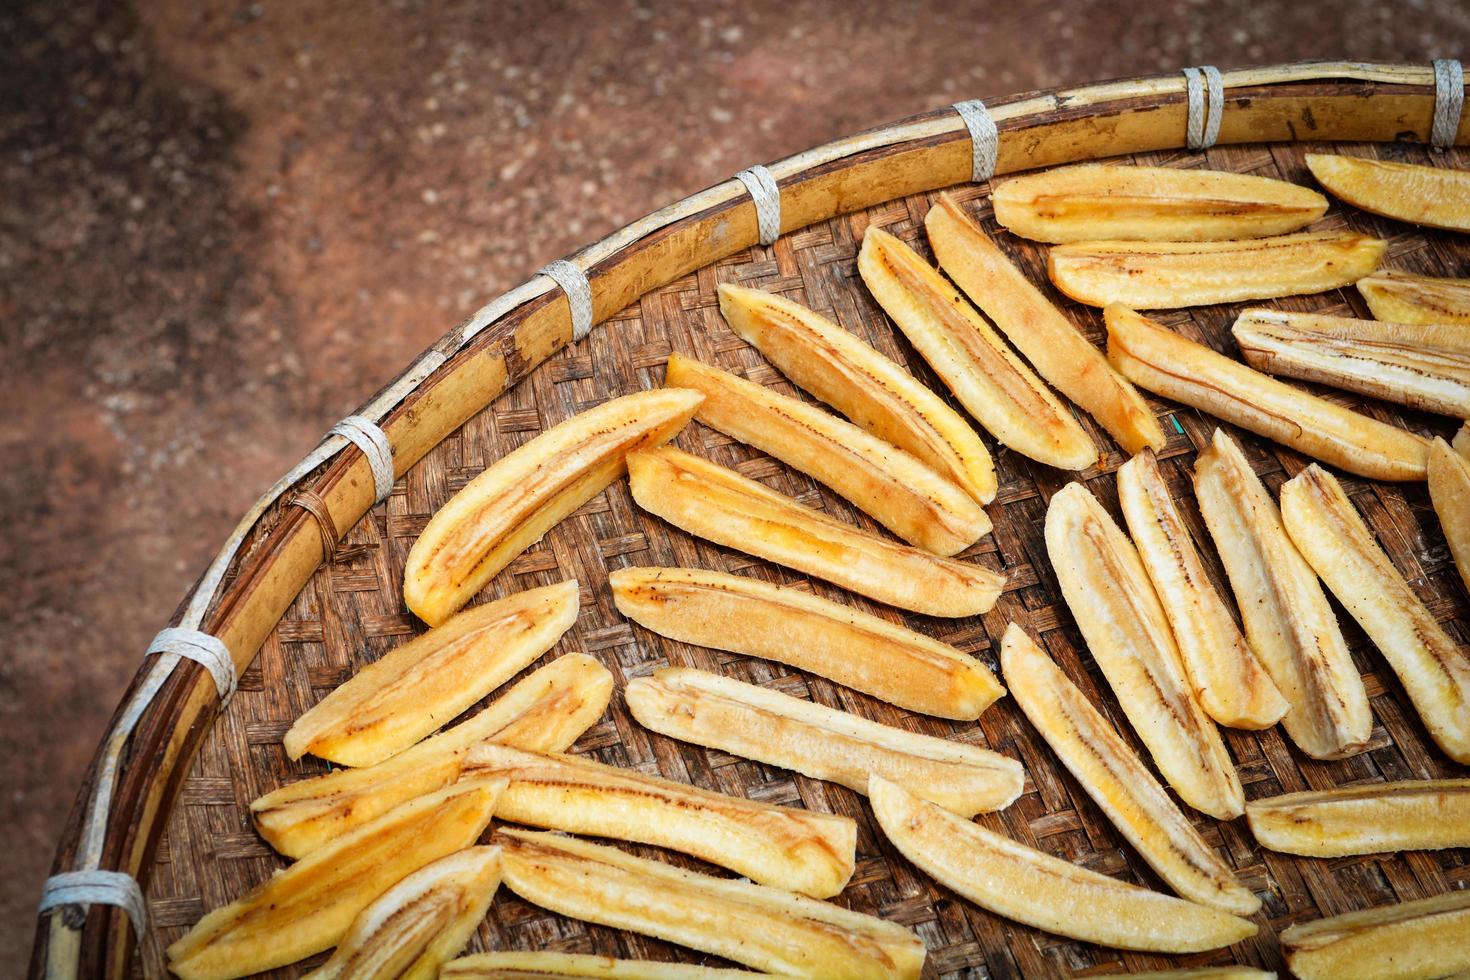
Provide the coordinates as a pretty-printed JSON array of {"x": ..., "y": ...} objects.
[
  {"x": 862, "y": 384},
  {"x": 995, "y": 386},
  {"x": 1163, "y": 362},
  {"x": 1449, "y": 490},
  {"x": 1037, "y": 328},
  {"x": 799, "y": 850},
  {"x": 1419, "y": 940},
  {"x": 545, "y": 712},
  {"x": 1117, "y": 780},
  {"x": 392, "y": 703},
  {"x": 765, "y": 928},
  {"x": 1401, "y": 297},
  {"x": 545, "y": 965},
  {"x": 1424, "y": 366},
  {"x": 1231, "y": 685},
  {"x": 820, "y": 742},
  {"x": 1325, "y": 527},
  {"x": 1036, "y": 889},
  {"x": 722, "y": 506},
  {"x": 1436, "y": 197},
  {"x": 1287, "y": 620},
  {"x": 1119, "y": 615},
  {"x": 521, "y": 496},
  {"x": 851, "y": 647},
  {"x": 1169, "y": 275},
  {"x": 1093, "y": 202},
  {"x": 894, "y": 488},
  {"x": 308, "y": 907},
  {"x": 1375, "y": 818},
  {"x": 413, "y": 927}
]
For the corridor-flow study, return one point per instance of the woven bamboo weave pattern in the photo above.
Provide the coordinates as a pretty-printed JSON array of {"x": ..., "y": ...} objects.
[{"x": 352, "y": 613}]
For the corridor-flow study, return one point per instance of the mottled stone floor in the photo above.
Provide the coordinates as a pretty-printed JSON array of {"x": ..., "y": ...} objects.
[{"x": 224, "y": 224}]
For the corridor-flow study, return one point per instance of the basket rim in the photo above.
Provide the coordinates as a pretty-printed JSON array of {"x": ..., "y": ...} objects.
[{"x": 276, "y": 548}]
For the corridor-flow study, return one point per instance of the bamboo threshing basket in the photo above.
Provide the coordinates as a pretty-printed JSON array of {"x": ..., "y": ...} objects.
[{"x": 175, "y": 814}]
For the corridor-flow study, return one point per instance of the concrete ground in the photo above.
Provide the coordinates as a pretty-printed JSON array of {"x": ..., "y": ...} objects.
[{"x": 222, "y": 224}]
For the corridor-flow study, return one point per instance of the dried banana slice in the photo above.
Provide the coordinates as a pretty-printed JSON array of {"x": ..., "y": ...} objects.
[
  {"x": 1036, "y": 889},
  {"x": 1169, "y": 275},
  {"x": 1230, "y": 684},
  {"x": 722, "y": 506},
  {"x": 877, "y": 394},
  {"x": 1231, "y": 972},
  {"x": 392, "y": 703},
  {"x": 1376, "y": 818},
  {"x": 1287, "y": 620},
  {"x": 1399, "y": 297},
  {"x": 1093, "y": 202},
  {"x": 765, "y": 928},
  {"x": 1424, "y": 366},
  {"x": 1038, "y": 329},
  {"x": 1436, "y": 197},
  {"x": 1418, "y": 940},
  {"x": 413, "y": 927},
  {"x": 519, "y": 965},
  {"x": 1108, "y": 591},
  {"x": 995, "y": 386},
  {"x": 799, "y": 850},
  {"x": 745, "y": 615},
  {"x": 310, "y": 906},
  {"x": 1163, "y": 362},
  {"x": 1325, "y": 527},
  {"x": 820, "y": 742},
  {"x": 521, "y": 496},
  {"x": 1449, "y": 491},
  {"x": 545, "y": 712},
  {"x": 895, "y": 489}
]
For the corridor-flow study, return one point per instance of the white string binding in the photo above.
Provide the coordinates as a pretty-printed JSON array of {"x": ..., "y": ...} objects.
[
  {"x": 365, "y": 434},
  {"x": 208, "y": 651},
  {"x": 766, "y": 195},
  {"x": 573, "y": 282},
  {"x": 984, "y": 138},
  {"x": 78, "y": 888},
  {"x": 1449, "y": 101},
  {"x": 1203, "y": 85}
]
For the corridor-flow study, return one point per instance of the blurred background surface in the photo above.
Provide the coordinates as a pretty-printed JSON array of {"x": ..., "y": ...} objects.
[{"x": 224, "y": 224}]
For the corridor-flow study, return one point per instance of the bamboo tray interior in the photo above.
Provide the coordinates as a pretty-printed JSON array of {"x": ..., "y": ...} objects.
[{"x": 351, "y": 612}]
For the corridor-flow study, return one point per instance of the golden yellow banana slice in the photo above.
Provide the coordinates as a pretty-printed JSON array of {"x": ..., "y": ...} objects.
[
  {"x": 1436, "y": 197},
  {"x": 765, "y": 928},
  {"x": 799, "y": 850},
  {"x": 995, "y": 386},
  {"x": 1117, "y": 780},
  {"x": 1232, "y": 972},
  {"x": 310, "y": 906},
  {"x": 414, "y": 927},
  {"x": 820, "y": 742},
  {"x": 722, "y": 506},
  {"x": 1287, "y": 620},
  {"x": 1169, "y": 275},
  {"x": 1038, "y": 329},
  {"x": 851, "y": 647},
  {"x": 519, "y": 965},
  {"x": 392, "y": 703},
  {"x": 1093, "y": 202},
  {"x": 895, "y": 489},
  {"x": 877, "y": 394},
  {"x": 1449, "y": 491},
  {"x": 1325, "y": 527},
  {"x": 1109, "y": 593},
  {"x": 545, "y": 712},
  {"x": 1418, "y": 940},
  {"x": 1374, "y": 818},
  {"x": 521, "y": 496},
  {"x": 1163, "y": 362},
  {"x": 1036, "y": 889},
  {"x": 1401, "y": 297},
  {"x": 1424, "y": 366}
]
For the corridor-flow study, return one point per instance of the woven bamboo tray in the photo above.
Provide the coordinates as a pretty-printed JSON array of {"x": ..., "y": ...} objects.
[{"x": 176, "y": 818}]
